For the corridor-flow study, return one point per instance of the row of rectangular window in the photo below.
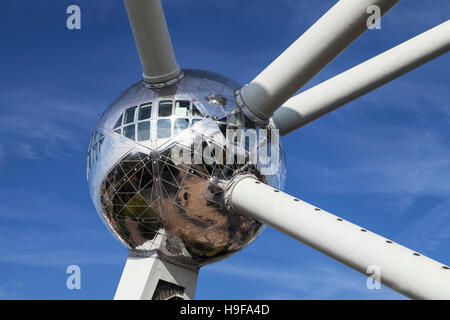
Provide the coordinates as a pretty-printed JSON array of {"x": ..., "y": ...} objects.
[
  {"x": 183, "y": 108},
  {"x": 164, "y": 128},
  {"x": 95, "y": 149}
]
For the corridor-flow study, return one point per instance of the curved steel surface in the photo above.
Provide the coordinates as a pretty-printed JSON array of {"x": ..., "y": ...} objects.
[{"x": 149, "y": 196}]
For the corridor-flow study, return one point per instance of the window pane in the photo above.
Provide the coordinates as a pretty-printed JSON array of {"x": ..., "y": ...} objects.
[
  {"x": 194, "y": 121},
  {"x": 100, "y": 143},
  {"x": 195, "y": 112},
  {"x": 91, "y": 160},
  {"x": 119, "y": 131},
  {"x": 145, "y": 112},
  {"x": 165, "y": 108},
  {"x": 119, "y": 122},
  {"x": 94, "y": 155},
  {"x": 129, "y": 132},
  {"x": 129, "y": 115},
  {"x": 180, "y": 125},
  {"x": 236, "y": 119},
  {"x": 144, "y": 131},
  {"x": 164, "y": 128},
  {"x": 182, "y": 108},
  {"x": 91, "y": 143},
  {"x": 94, "y": 140},
  {"x": 96, "y": 151}
]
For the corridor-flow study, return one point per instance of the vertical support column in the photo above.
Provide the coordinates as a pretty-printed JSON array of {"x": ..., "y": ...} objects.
[{"x": 143, "y": 276}]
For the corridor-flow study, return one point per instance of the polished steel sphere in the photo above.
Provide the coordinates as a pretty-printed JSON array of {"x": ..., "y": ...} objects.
[{"x": 157, "y": 171}]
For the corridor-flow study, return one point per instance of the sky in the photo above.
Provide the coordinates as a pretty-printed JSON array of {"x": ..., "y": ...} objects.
[{"x": 382, "y": 161}]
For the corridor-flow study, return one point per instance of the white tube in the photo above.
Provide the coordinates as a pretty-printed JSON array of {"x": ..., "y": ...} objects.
[
  {"x": 152, "y": 40},
  {"x": 317, "y": 47},
  {"x": 401, "y": 269},
  {"x": 366, "y": 77}
]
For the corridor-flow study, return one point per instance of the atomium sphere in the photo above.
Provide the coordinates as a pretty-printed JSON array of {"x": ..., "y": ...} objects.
[{"x": 159, "y": 162}]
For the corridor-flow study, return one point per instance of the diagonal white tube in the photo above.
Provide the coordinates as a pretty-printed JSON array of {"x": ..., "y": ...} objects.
[
  {"x": 398, "y": 267},
  {"x": 317, "y": 47},
  {"x": 368, "y": 76},
  {"x": 152, "y": 40}
]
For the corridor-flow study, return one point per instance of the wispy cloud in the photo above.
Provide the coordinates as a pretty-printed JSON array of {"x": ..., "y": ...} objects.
[
  {"x": 61, "y": 258},
  {"x": 9, "y": 289},
  {"x": 399, "y": 164},
  {"x": 431, "y": 230},
  {"x": 317, "y": 282},
  {"x": 2, "y": 153},
  {"x": 400, "y": 151},
  {"x": 50, "y": 244},
  {"x": 2, "y": 292},
  {"x": 26, "y": 150},
  {"x": 412, "y": 15},
  {"x": 41, "y": 125}
]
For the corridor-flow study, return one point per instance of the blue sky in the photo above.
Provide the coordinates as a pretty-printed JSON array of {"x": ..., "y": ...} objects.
[{"x": 382, "y": 162}]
